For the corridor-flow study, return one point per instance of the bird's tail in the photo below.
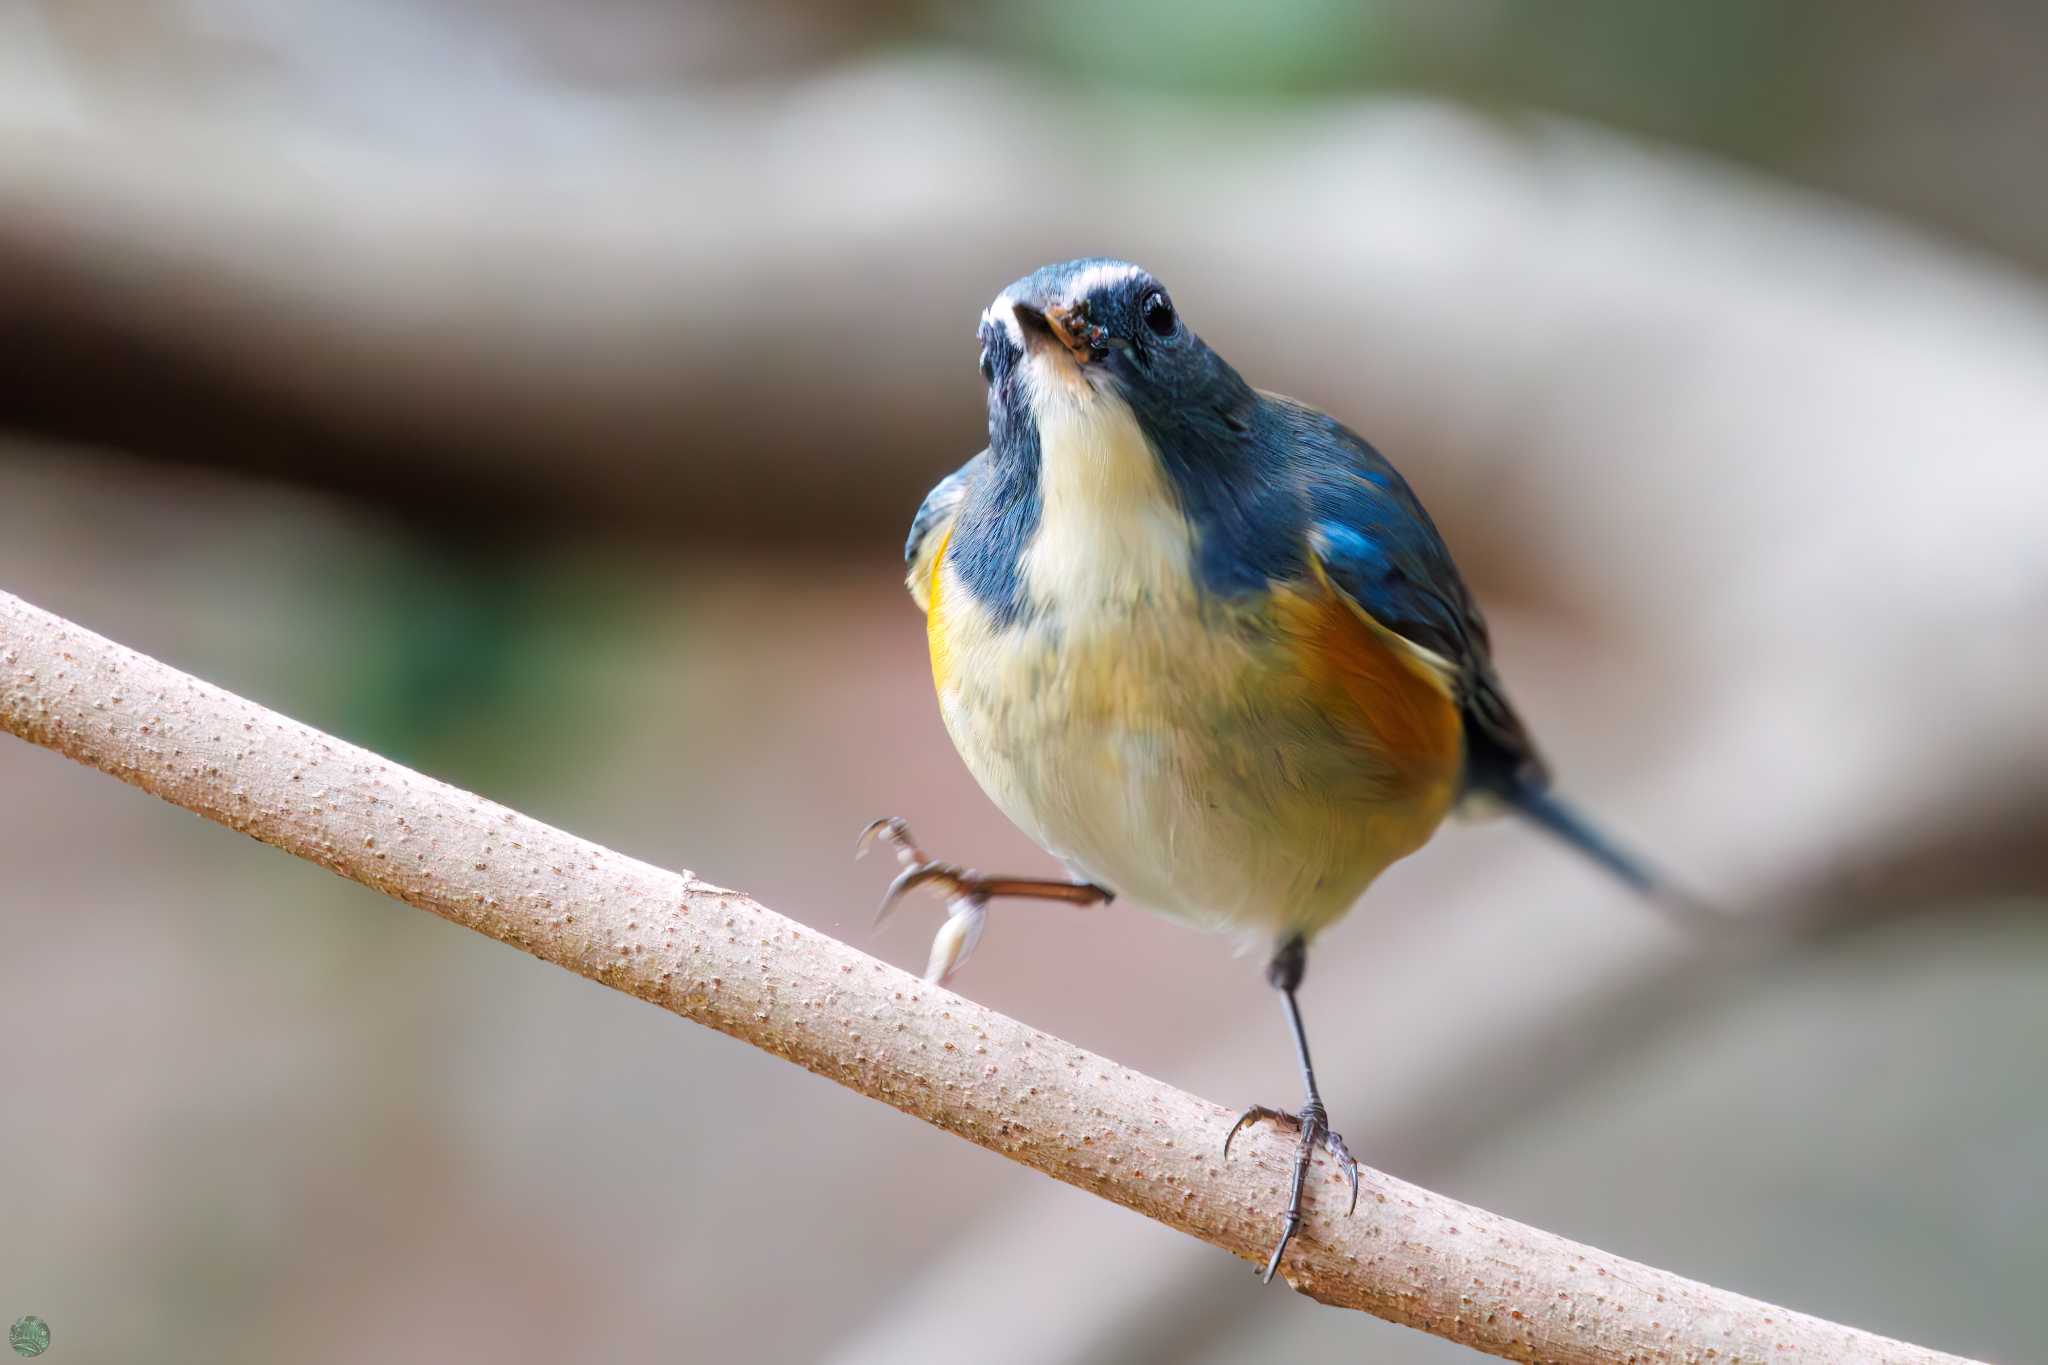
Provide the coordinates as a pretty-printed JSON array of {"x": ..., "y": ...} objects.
[{"x": 1557, "y": 817}]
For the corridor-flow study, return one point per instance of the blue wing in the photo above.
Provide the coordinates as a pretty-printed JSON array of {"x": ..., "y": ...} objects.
[
  {"x": 935, "y": 517},
  {"x": 939, "y": 507},
  {"x": 1378, "y": 545},
  {"x": 1380, "y": 548}
]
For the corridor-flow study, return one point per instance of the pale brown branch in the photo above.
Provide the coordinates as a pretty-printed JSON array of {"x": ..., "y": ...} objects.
[{"x": 715, "y": 956}]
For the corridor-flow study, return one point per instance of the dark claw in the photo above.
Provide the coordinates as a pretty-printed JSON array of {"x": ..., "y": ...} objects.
[
  {"x": 1257, "y": 1113},
  {"x": 1337, "y": 1149},
  {"x": 1314, "y": 1126},
  {"x": 890, "y": 827},
  {"x": 1287, "y": 1227},
  {"x": 958, "y": 881},
  {"x": 918, "y": 870}
]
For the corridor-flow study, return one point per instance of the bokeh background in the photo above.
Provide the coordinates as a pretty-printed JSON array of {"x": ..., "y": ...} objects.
[{"x": 538, "y": 392}]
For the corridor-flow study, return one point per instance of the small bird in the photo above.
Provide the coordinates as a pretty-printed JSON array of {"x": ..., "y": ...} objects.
[{"x": 1202, "y": 644}]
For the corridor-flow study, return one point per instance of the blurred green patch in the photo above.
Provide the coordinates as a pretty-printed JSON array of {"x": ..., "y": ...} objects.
[
  {"x": 490, "y": 669},
  {"x": 1748, "y": 77},
  {"x": 1289, "y": 45}
]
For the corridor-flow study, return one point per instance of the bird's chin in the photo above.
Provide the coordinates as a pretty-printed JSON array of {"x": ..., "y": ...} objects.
[{"x": 1056, "y": 371}]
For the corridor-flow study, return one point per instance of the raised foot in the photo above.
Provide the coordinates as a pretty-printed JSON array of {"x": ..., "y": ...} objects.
[
  {"x": 967, "y": 892},
  {"x": 1314, "y": 1124}
]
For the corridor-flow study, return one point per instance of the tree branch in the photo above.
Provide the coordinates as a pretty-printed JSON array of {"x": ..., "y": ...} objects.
[{"x": 715, "y": 956}]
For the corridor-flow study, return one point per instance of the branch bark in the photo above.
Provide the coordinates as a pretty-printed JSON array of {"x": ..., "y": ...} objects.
[{"x": 713, "y": 955}]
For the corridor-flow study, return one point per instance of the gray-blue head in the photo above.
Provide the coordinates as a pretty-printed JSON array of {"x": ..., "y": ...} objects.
[{"x": 1069, "y": 338}]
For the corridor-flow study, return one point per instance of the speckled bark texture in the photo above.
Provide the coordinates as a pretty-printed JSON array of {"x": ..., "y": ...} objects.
[{"x": 715, "y": 956}]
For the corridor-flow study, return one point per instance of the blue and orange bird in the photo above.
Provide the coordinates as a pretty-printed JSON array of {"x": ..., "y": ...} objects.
[{"x": 1200, "y": 642}]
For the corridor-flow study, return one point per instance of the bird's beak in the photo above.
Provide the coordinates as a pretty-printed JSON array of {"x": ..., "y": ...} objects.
[{"x": 1061, "y": 324}]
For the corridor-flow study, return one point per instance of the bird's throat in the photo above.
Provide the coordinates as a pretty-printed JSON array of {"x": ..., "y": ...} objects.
[{"x": 1111, "y": 534}]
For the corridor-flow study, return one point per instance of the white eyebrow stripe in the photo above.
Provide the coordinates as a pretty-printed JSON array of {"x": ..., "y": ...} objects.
[
  {"x": 1098, "y": 277},
  {"x": 1001, "y": 312}
]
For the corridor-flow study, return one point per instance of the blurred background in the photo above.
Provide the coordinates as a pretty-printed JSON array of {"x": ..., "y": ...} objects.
[{"x": 539, "y": 392}]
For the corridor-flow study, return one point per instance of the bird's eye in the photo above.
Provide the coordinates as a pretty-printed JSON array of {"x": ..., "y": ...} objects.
[
  {"x": 1158, "y": 313},
  {"x": 988, "y": 369}
]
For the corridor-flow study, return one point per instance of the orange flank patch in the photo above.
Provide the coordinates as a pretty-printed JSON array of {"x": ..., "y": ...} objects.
[
  {"x": 935, "y": 620},
  {"x": 1397, "y": 705}
]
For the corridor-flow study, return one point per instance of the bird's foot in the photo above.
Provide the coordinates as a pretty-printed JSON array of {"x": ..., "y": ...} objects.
[
  {"x": 967, "y": 893},
  {"x": 1314, "y": 1124}
]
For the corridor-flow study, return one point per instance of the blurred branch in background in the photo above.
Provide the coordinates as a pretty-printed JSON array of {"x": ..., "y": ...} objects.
[
  {"x": 717, "y": 957},
  {"x": 541, "y": 292}
]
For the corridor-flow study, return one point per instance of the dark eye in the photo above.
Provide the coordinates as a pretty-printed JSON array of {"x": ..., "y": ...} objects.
[
  {"x": 988, "y": 369},
  {"x": 1158, "y": 314}
]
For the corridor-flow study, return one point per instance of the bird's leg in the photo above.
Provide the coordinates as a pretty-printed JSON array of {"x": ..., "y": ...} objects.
[
  {"x": 967, "y": 892},
  {"x": 964, "y": 883},
  {"x": 1313, "y": 1120}
]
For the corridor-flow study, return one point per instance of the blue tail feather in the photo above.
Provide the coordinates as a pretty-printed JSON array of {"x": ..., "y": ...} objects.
[{"x": 1557, "y": 817}]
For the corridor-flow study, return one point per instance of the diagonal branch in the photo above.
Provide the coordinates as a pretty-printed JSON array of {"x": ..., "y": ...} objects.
[{"x": 715, "y": 956}]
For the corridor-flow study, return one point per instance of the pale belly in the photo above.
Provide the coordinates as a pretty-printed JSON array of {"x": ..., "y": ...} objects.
[{"x": 1190, "y": 769}]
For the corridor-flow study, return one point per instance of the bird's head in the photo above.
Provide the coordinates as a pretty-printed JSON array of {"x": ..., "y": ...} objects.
[{"x": 1093, "y": 331}]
